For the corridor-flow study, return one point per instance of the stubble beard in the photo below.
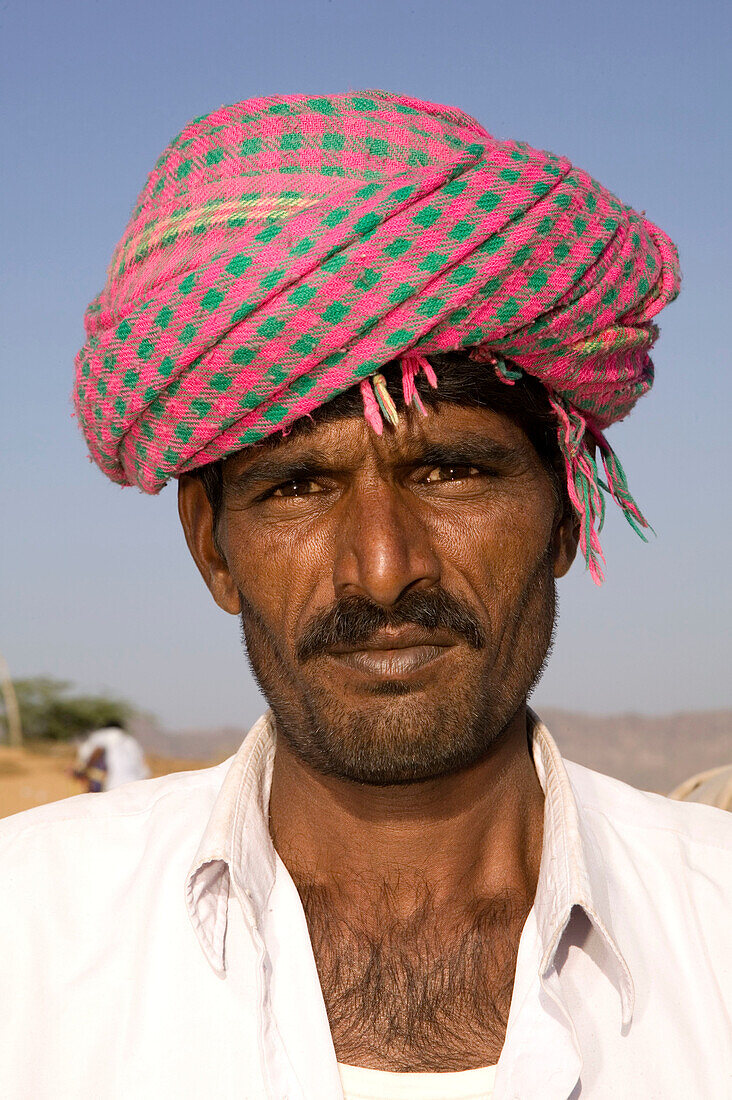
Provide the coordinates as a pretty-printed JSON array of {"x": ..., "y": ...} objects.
[{"x": 398, "y": 735}]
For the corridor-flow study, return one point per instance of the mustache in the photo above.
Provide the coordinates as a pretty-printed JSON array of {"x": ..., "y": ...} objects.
[{"x": 354, "y": 620}]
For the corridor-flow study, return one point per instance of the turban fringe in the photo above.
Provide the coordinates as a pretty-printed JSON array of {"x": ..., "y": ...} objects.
[{"x": 285, "y": 249}]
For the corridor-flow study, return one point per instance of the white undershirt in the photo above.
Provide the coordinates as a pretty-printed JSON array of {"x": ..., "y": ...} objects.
[{"x": 377, "y": 1084}]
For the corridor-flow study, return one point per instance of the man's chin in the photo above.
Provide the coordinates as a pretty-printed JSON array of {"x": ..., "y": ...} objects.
[
  {"x": 408, "y": 741},
  {"x": 392, "y": 687}
]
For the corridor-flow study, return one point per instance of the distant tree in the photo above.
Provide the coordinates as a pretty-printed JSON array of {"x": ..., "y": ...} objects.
[
  {"x": 49, "y": 710},
  {"x": 8, "y": 700}
]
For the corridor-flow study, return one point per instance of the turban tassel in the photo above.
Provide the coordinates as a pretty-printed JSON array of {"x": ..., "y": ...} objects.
[
  {"x": 577, "y": 441},
  {"x": 377, "y": 402},
  {"x": 371, "y": 407}
]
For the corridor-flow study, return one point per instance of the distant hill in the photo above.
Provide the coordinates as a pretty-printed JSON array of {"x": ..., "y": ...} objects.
[
  {"x": 213, "y": 745},
  {"x": 653, "y": 753}
]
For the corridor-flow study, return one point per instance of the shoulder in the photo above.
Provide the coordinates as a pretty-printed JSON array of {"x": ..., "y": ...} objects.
[
  {"x": 89, "y": 864},
  {"x": 661, "y": 876},
  {"x": 90, "y": 881},
  {"x": 133, "y": 811},
  {"x": 682, "y": 839}
]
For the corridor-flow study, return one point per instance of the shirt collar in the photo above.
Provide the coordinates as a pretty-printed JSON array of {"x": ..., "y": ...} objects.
[
  {"x": 236, "y": 848},
  {"x": 571, "y": 871},
  {"x": 237, "y": 851}
]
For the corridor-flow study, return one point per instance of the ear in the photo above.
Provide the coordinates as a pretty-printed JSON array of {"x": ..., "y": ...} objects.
[
  {"x": 196, "y": 517},
  {"x": 565, "y": 542}
]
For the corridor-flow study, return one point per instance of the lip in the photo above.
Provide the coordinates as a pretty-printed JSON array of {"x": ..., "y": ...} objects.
[
  {"x": 395, "y": 654},
  {"x": 391, "y": 663}
]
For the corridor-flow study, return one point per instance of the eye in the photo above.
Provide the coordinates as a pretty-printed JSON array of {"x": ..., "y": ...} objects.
[
  {"x": 298, "y": 487},
  {"x": 452, "y": 473}
]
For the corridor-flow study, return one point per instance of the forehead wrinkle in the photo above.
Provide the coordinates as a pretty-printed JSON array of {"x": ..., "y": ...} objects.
[
  {"x": 429, "y": 441},
  {"x": 344, "y": 443}
]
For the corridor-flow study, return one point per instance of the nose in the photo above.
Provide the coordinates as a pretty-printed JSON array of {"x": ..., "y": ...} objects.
[{"x": 383, "y": 547}]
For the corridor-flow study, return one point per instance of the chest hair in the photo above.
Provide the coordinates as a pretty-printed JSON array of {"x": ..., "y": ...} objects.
[{"x": 429, "y": 992}]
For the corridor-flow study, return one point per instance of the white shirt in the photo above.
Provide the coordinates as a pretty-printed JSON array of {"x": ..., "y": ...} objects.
[
  {"x": 123, "y": 758},
  {"x": 154, "y": 945}
]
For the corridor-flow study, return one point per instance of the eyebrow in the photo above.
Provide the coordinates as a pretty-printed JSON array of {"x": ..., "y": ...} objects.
[
  {"x": 466, "y": 450},
  {"x": 270, "y": 469}
]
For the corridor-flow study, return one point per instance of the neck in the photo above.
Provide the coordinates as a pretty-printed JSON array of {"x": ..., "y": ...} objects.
[{"x": 475, "y": 834}]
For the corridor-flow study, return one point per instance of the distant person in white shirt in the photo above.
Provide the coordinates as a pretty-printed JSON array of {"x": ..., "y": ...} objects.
[
  {"x": 377, "y": 347},
  {"x": 108, "y": 758}
]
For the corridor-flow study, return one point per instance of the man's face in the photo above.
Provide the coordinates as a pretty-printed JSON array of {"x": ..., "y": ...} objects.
[{"x": 396, "y": 591}]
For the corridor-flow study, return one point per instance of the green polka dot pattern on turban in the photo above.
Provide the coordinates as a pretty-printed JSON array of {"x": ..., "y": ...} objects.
[{"x": 285, "y": 248}]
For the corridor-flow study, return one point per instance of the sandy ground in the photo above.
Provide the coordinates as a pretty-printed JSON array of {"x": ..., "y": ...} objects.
[{"x": 37, "y": 774}]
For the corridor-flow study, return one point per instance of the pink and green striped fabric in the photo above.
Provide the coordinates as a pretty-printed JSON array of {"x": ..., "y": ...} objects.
[{"x": 285, "y": 248}]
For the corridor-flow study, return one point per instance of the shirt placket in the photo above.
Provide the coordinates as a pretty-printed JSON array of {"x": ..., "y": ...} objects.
[
  {"x": 541, "y": 1057},
  {"x": 276, "y": 1069}
]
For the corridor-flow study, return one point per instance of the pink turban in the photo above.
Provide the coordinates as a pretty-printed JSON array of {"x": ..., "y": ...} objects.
[{"x": 284, "y": 249}]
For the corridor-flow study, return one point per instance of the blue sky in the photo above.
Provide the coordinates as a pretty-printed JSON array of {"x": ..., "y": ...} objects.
[{"x": 95, "y": 582}]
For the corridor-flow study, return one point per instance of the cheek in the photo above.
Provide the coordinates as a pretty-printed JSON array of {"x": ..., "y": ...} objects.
[
  {"x": 497, "y": 547},
  {"x": 281, "y": 570}
]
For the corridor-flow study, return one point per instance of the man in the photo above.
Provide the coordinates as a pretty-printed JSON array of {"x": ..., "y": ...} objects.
[
  {"x": 108, "y": 758},
  {"x": 378, "y": 349}
]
